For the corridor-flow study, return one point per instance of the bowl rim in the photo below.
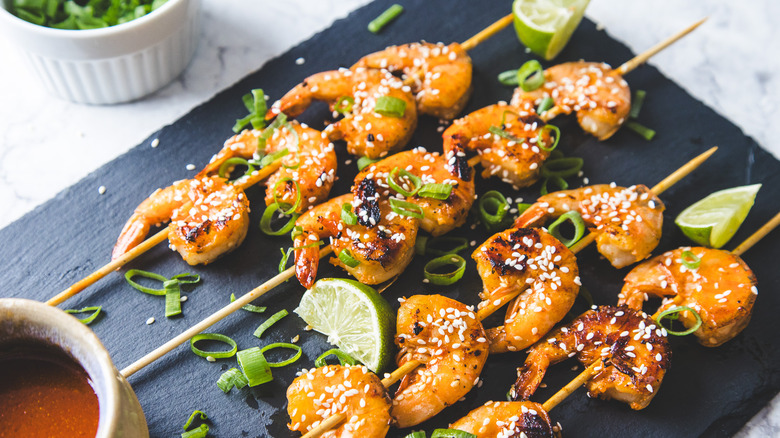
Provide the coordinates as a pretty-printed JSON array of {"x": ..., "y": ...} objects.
[{"x": 81, "y": 34}]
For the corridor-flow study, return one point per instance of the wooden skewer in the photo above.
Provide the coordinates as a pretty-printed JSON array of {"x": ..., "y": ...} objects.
[
  {"x": 640, "y": 59},
  {"x": 486, "y": 33},
  {"x": 147, "y": 244},
  {"x": 758, "y": 235}
]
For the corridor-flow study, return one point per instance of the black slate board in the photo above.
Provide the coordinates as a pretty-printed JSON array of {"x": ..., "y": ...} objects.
[{"x": 708, "y": 392}]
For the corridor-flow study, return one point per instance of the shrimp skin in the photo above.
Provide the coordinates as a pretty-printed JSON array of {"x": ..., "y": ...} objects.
[
  {"x": 600, "y": 97},
  {"x": 722, "y": 289},
  {"x": 626, "y": 221},
  {"x": 534, "y": 262},
  {"x": 215, "y": 222},
  {"x": 439, "y": 216},
  {"x": 516, "y": 160},
  {"x": 366, "y": 132},
  {"x": 382, "y": 252},
  {"x": 633, "y": 350},
  {"x": 334, "y": 389},
  {"x": 439, "y": 75},
  {"x": 447, "y": 338},
  {"x": 508, "y": 420}
]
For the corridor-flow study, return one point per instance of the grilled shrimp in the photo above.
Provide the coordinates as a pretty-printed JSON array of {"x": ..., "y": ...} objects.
[
  {"x": 598, "y": 94},
  {"x": 626, "y": 221},
  {"x": 381, "y": 252},
  {"x": 334, "y": 389},
  {"x": 366, "y": 132},
  {"x": 515, "y": 156},
  {"x": 634, "y": 354},
  {"x": 447, "y": 338},
  {"x": 439, "y": 75},
  {"x": 310, "y": 162},
  {"x": 507, "y": 420},
  {"x": 439, "y": 216},
  {"x": 722, "y": 289},
  {"x": 215, "y": 222},
  {"x": 534, "y": 262}
]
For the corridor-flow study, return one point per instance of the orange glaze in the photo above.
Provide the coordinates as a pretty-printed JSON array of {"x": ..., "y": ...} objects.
[{"x": 44, "y": 393}]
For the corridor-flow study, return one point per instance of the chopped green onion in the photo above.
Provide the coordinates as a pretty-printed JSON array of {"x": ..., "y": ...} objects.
[
  {"x": 344, "y": 358},
  {"x": 146, "y": 274},
  {"x": 255, "y": 366},
  {"x": 522, "y": 206},
  {"x": 249, "y": 307},
  {"x": 293, "y": 358},
  {"x": 640, "y": 129},
  {"x": 347, "y": 215},
  {"x": 268, "y": 159},
  {"x": 362, "y": 162},
  {"x": 544, "y": 105},
  {"x": 235, "y": 161},
  {"x": 690, "y": 260},
  {"x": 94, "y": 309},
  {"x": 451, "y": 433},
  {"x": 417, "y": 434},
  {"x": 255, "y": 104},
  {"x": 390, "y": 106},
  {"x": 171, "y": 288},
  {"x": 540, "y": 138},
  {"x": 530, "y": 75},
  {"x": 341, "y": 108},
  {"x": 636, "y": 103},
  {"x": 172, "y": 298},
  {"x": 673, "y": 314},
  {"x": 502, "y": 133},
  {"x": 269, "y": 322},
  {"x": 446, "y": 245},
  {"x": 194, "y": 414},
  {"x": 384, "y": 18},
  {"x": 297, "y": 195},
  {"x": 186, "y": 278},
  {"x": 508, "y": 77},
  {"x": 213, "y": 337},
  {"x": 435, "y": 191},
  {"x": 498, "y": 206},
  {"x": 285, "y": 256},
  {"x": 562, "y": 167},
  {"x": 347, "y": 258},
  {"x": 450, "y": 277},
  {"x": 265, "y": 221},
  {"x": 579, "y": 228},
  {"x": 231, "y": 378},
  {"x": 199, "y": 432},
  {"x": 405, "y": 208},
  {"x": 279, "y": 121},
  {"x": 560, "y": 182},
  {"x": 414, "y": 181}
]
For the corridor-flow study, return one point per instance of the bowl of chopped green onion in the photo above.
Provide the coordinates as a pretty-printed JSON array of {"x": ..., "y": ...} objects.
[{"x": 103, "y": 51}]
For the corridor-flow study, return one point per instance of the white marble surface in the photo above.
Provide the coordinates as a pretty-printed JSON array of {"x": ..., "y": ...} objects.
[{"x": 731, "y": 63}]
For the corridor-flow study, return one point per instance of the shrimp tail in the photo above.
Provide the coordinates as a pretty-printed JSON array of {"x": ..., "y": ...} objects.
[
  {"x": 529, "y": 377},
  {"x": 532, "y": 217},
  {"x": 307, "y": 259},
  {"x": 133, "y": 233}
]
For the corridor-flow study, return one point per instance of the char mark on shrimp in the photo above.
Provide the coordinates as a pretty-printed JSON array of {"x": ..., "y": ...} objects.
[{"x": 368, "y": 211}]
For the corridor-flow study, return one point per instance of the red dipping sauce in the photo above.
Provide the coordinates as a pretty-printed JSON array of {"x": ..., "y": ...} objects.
[{"x": 44, "y": 393}]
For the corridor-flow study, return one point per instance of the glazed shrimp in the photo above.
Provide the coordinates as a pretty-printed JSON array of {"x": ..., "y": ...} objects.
[
  {"x": 439, "y": 75},
  {"x": 634, "y": 352},
  {"x": 382, "y": 252},
  {"x": 599, "y": 95},
  {"x": 626, "y": 221},
  {"x": 448, "y": 339},
  {"x": 310, "y": 162},
  {"x": 439, "y": 216},
  {"x": 508, "y": 419},
  {"x": 215, "y": 222},
  {"x": 515, "y": 157},
  {"x": 531, "y": 260},
  {"x": 334, "y": 389},
  {"x": 722, "y": 289},
  {"x": 366, "y": 132}
]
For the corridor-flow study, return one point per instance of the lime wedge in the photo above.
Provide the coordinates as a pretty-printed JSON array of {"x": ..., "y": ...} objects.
[
  {"x": 354, "y": 317},
  {"x": 713, "y": 220},
  {"x": 545, "y": 26}
]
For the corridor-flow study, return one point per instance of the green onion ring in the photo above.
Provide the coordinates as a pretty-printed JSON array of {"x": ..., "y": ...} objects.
[
  {"x": 230, "y": 378},
  {"x": 636, "y": 103},
  {"x": 269, "y": 322},
  {"x": 405, "y": 208},
  {"x": 384, "y": 18},
  {"x": 674, "y": 313},
  {"x": 362, "y": 162},
  {"x": 496, "y": 201},
  {"x": 285, "y": 256},
  {"x": 690, "y": 260},
  {"x": 640, "y": 129},
  {"x": 265, "y": 221},
  {"x": 235, "y": 161},
  {"x": 293, "y": 358},
  {"x": 270, "y": 158},
  {"x": 255, "y": 366},
  {"x": 503, "y": 116},
  {"x": 502, "y": 133},
  {"x": 172, "y": 298},
  {"x": 417, "y": 434},
  {"x": 540, "y": 139},
  {"x": 279, "y": 121},
  {"x": 450, "y": 277},
  {"x": 347, "y": 215},
  {"x": 86, "y": 321},
  {"x": 297, "y": 195},
  {"x": 194, "y": 414},
  {"x": 346, "y": 257},
  {"x": 530, "y": 75},
  {"x": 249, "y": 307},
  {"x": 146, "y": 274},
  {"x": 344, "y": 358},
  {"x": 508, "y": 77},
  {"x": 544, "y": 105},
  {"x": 390, "y": 106},
  {"x": 435, "y": 191},
  {"x": 451, "y": 433},
  {"x": 562, "y": 167},
  {"x": 199, "y": 432},
  {"x": 420, "y": 245},
  {"x": 340, "y": 108},
  {"x": 579, "y": 228},
  {"x": 521, "y": 207},
  {"x": 187, "y": 278},
  {"x": 560, "y": 182},
  {"x": 213, "y": 337},
  {"x": 398, "y": 173}
]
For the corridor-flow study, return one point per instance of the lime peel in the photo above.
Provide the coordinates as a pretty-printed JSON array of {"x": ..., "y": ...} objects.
[{"x": 545, "y": 26}]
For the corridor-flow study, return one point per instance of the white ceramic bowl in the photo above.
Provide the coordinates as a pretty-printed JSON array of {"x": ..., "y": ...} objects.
[{"x": 109, "y": 65}]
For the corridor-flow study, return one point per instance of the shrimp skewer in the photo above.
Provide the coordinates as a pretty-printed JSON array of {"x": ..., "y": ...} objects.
[{"x": 508, "y": 419}]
